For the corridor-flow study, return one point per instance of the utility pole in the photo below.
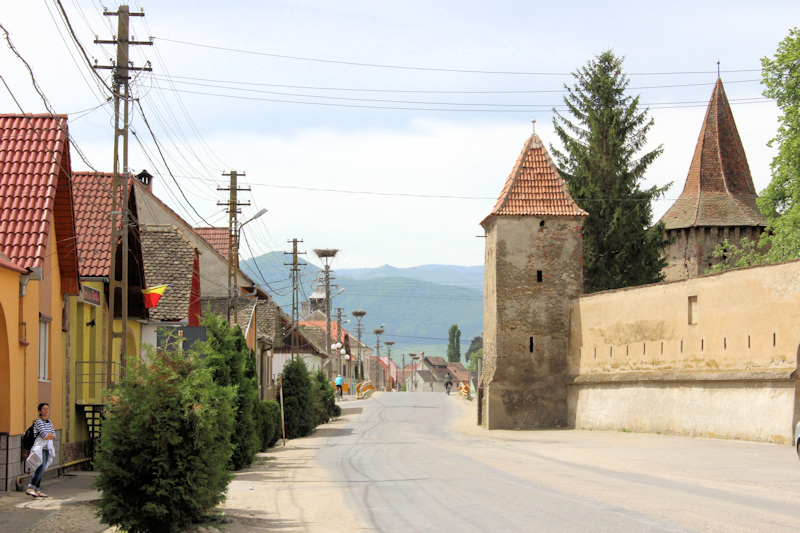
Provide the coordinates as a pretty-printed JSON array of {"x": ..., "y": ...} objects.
[
  {"x": 295, "y": 275},
  {"x": 359, "y": 314},
  {"x": 389, "y": 356},
  {"x": 339, "y": 338},
  {"x": 327, "y": 255},
  {"x": 378, "y": 332},
  {"x": 118, "y": 281},
  {"x": 404, "y": 371},
  {"x": 233, "y": 242}
]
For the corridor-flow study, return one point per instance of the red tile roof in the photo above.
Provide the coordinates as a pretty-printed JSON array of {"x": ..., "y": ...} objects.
[
  {"x": 535, "y": 187},
  {"x": 92, "y": 193},
  {"x": 35, "y": 185},
  {"x": 719, "y": 189},
  {"x": 218, "y": 238}
]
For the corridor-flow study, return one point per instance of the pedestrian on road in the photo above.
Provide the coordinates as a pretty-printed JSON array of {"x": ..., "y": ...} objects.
[
  {"x": 42, "y": 452},
  {"x": 448, "y": 382}
]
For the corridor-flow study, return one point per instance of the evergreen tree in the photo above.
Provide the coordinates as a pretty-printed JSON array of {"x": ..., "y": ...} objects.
[
  {"x": 166, "y": 444},
  {"x": 454, "y": 344},
  {"x": 474, "y": 346},
  {"x": 233, "y": 364},
  {"x": 603, "y": 170},
  {"x": 298, "y": 399}
]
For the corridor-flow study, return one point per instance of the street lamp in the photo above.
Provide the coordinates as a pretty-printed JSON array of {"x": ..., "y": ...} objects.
[{"x": 233, "y": 268}]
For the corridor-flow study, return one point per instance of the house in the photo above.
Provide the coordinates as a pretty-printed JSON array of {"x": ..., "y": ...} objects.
[
  {"x": 38, "y": 271},
  {"x": 432, "y": 372},
  {"x": 718, "y": 201},
  {"x": 170, "y": 259},
  {"x": 88, "y": 358}
]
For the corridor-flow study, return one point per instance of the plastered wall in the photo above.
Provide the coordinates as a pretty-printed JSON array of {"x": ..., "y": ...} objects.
[{"x": 712, "y": 356}]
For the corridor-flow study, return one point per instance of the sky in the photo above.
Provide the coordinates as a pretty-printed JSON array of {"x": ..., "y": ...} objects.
[{"x": 383, "y": 129}]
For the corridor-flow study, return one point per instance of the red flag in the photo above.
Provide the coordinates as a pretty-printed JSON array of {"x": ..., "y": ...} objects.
[{"x": 153, "y": 295}]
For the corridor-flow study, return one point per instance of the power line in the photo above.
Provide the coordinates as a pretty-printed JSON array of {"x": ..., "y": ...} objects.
[{"x": 429, "y": 69}]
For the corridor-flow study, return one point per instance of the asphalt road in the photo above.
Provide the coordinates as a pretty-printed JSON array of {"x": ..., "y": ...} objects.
[{"x": 417, "y": 462}]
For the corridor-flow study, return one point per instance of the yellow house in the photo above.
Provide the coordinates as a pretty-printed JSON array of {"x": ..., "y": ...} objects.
[
  {"x": 87, "y": 335},
  {"x": 38, "y": 270}
]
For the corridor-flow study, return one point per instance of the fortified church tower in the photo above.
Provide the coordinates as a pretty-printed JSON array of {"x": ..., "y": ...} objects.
[
  {"x": 533, "y": 268},
  {"x": 718, "y": 201}
]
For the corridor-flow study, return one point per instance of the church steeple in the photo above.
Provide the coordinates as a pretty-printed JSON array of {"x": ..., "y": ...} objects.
[
  {"x": 718, "y": 201},
  {"x": 719, "y": 189}
]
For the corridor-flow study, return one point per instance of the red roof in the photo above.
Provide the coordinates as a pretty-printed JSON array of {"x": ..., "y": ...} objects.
[
  {"x": 719, "y": 189},
  {"x": 535, "y": 187},
  {"x": 35, "y": 185},
  {"x": 218, "y": 238}
]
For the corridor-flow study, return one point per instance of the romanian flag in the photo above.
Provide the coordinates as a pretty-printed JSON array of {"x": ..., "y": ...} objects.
[{"x": 153, "y": 295}]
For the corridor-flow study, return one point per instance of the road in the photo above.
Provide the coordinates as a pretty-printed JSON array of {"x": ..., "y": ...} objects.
[{"x": 417, "y": 462}]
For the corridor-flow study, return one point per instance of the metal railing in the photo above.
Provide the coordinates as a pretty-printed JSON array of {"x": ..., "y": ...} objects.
[{"x": 92, "y": 379}]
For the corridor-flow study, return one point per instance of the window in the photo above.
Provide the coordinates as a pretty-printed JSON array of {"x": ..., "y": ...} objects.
[
  {"x": 692, "y": 310},
  {"x": 44, "y": 350}
]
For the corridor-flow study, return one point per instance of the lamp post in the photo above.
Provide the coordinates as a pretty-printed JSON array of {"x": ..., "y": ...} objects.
[{"x": 233, "y": 264}]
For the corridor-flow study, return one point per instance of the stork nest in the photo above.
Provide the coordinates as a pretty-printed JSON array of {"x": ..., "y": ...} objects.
[
  {"x": 325, "y": 253},
  {"x": 359, "y": 313}
]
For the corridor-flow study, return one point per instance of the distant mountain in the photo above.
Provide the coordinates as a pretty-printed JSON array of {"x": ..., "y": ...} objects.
[{"x": 417, "y": 304}]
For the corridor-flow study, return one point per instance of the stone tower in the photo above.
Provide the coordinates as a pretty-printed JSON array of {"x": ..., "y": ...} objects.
[
  {"x": 718, "y": 201},
  {"x": 533, "y": 268}
]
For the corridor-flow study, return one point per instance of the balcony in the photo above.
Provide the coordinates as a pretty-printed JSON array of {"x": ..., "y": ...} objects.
[{"x": 91, "y": 380}]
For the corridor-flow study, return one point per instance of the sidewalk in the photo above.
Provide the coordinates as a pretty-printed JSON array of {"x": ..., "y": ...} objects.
[{"x": 68, "y": 508}]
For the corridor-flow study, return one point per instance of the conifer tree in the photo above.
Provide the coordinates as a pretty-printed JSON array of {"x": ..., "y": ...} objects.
[
  {"x": 454, "y": 344},
  {"x": 603, "y": 170}
]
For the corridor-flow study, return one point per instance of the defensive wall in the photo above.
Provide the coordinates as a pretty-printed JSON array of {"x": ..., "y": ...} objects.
[{"x": 715, "y": 356}]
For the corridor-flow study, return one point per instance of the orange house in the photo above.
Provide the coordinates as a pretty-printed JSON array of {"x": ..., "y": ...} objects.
[{"x": 38, "y": 269}]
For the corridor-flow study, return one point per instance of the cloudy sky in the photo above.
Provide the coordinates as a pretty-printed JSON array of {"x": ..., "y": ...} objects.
[{"x": 384, "y": 129}]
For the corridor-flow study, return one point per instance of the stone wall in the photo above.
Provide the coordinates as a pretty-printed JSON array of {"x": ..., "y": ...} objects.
[
  {"x": 711, "y": 356},
  {"x": 690, "y": 254},
  {"x": 533, "y": 269}
]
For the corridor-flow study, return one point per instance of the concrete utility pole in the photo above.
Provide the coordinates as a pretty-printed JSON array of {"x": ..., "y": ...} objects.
[
  {"x": 339, "y": 339},
  {"x": 359, "y": 314},
  {"x": 327, "y": 255},
  {"x": 378, "y": 332},
  {"x": 389, "y": 345},
  {"x": 413, "y": 357},
  {"x": 118, "y": 281},
  {"x": 233, "y": 242},
  {"x": 295, "y": 274},
  {"x": 404, "y": 370}
]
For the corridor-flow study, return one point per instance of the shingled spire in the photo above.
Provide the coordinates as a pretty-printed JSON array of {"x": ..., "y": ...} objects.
[{"x": 718, "y": 201}]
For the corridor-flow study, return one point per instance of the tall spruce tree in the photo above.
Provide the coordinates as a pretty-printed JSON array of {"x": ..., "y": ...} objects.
[
  {"x": 454, "y": 344},
  {"x": 603, "y": 170}
]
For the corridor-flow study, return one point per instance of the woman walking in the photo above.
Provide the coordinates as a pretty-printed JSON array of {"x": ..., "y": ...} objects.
[{"x": 42, "y": 452}]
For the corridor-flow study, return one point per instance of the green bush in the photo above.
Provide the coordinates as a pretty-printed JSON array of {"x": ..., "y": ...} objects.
[
  {"x": 298, "y": 399},
  {"x": 269, "y": 412},
  {"x": 233, "y": 364},
  {"x": 165, "y": 445},
  {"x": 325, "y": 406}
]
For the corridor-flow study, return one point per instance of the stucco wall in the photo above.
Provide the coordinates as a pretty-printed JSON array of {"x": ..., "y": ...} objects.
[{"x": 714, "y": 356}]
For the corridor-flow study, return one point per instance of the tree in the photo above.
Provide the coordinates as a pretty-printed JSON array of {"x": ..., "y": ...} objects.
[
  {"x": 324, "y": 403},
  {"x": 474, "y": 346},
  {"x": 780, "y": 201},
  {"x": 298, "y": 399},
  {"x": 472, "y": 366},
  {"x": 166, "y": 444},
  {"x": 454, "y": 344},
  {"x": 233, "y": 364},
  {"x": 603, "y": 170}
]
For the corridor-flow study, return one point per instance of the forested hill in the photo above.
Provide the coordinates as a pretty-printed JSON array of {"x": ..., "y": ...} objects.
[{"x": 418, "y": 304}]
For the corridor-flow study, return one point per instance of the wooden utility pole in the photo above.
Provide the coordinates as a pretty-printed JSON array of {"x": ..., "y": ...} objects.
[
  {"x": 295, "y": 275},
  {"x": 120, "y": 213},
  {"x": 233, "y": 242}
]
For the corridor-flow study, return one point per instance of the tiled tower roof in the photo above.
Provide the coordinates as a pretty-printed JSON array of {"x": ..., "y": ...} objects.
[
  {"x": 719, "y": 189},
  {"x": 535, "y": 186}
]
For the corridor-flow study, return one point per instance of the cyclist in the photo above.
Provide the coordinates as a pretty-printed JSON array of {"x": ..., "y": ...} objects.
[
  {"x": 448, "y": 382},
  {"x": 339, "y": 381}
]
